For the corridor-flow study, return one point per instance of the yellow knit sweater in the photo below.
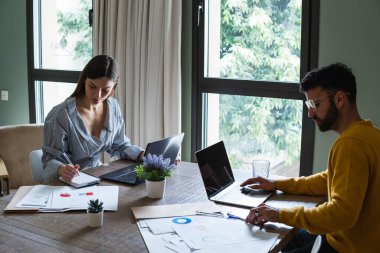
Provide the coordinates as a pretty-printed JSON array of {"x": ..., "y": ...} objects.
[{"x": 351, "y": 216}]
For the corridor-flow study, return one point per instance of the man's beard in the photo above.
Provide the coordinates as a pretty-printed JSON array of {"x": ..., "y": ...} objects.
[{"x": 329, "y": 120}]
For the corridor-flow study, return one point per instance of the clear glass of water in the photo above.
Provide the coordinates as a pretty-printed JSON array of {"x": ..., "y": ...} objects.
[{"x": 260, "y": 168}]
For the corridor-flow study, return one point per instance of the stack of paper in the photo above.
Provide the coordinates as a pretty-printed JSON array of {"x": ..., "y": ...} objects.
[
  {"x": 200, "y": 233},
  {"x": 142, "y": 212},
  {"x": 46, "y": 198}
]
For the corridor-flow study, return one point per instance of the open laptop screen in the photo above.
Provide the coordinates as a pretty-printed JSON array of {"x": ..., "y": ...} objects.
[
  {"x": 167, "y": 147},
  {"x": 215, "y": 168}
]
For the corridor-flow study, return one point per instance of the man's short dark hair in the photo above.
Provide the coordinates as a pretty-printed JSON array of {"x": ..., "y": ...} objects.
[{"x": 334, "y": 77}]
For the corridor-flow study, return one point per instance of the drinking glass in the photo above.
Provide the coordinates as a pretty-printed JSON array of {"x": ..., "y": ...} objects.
[{"x": 260, "y": 168}]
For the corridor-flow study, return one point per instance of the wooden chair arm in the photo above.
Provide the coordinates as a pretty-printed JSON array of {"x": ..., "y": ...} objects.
[
  {"x": 3, "y": 169},
  {"x": 3, "y": 177}
]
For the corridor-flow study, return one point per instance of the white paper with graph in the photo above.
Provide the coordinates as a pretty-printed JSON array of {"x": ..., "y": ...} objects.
[
  {"x": 203, "y": 233},
  {"x": 64, "y": 198}
]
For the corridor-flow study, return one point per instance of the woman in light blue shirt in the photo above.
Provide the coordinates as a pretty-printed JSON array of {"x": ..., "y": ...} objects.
[{"x": 86, "y": 124}]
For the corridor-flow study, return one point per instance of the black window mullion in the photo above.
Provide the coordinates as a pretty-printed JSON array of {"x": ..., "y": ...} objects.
[
  {"x": 250, "y": 88},
  {"x": 309, "y": 61},
  {"x": 55, "y": 75},
  {"x": 197, "y": 73}
]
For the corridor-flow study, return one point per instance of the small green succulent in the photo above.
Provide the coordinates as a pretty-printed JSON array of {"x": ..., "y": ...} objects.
[{"x": 95, "y": 206}]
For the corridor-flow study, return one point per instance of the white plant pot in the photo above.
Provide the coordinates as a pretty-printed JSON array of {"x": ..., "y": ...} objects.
[
  {"x": 155, "y": 189},
  {"x": 95, "y": 219}
]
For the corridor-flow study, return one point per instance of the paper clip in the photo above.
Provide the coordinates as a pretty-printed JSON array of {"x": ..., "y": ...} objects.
[{"x": 213, "y": 214}]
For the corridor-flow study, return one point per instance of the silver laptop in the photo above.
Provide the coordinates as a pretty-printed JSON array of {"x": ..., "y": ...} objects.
[
  {"x": 167, "y": 147},
  {"x": 219, "y": 181}
]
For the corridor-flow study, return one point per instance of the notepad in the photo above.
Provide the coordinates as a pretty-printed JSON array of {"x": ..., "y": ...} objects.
[{"x": 81, "y": 180}]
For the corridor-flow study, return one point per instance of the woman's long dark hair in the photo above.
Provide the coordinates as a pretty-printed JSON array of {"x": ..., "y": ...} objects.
[{"x": 99, "y": 66}]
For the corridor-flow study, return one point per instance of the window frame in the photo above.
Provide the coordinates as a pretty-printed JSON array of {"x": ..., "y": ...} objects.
[
  {"x": 36, "y": 75},
  {"x": 201, "y": 84}
]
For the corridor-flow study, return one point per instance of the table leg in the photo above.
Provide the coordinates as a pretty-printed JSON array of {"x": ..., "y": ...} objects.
[
  {"x": 1, "y": 187},
  {"x": 7, "y": 182}
]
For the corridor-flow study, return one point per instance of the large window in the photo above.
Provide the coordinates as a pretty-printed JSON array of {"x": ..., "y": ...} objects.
[
  {"x": 248, "y": 59},
  {"x": 59, "y": 45}
]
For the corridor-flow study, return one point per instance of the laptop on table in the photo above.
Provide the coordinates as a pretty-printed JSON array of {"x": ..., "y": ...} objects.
[
  {"x": 219, "y": 180},
  {"x": 168, "y": 148}
]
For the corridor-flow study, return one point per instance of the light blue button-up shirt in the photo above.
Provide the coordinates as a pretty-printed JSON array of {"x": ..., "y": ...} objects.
[{"x": 65, "y": 129}]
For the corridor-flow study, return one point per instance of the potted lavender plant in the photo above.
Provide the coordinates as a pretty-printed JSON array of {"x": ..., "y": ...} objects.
[{"x": 155, "y": 169}]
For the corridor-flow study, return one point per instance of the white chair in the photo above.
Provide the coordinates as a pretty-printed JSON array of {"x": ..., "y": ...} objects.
[
  {"x": 317, "y": 244},
  {"x": 36, "y": 165}
]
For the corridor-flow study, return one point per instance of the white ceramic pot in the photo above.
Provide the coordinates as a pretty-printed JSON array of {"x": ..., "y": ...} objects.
[
  {"x": 155, "y": 189},
  {"x": 95, "y": 219}
]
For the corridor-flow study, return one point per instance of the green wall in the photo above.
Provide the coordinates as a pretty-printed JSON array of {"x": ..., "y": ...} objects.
[
  {"x": 349, "y": 32},
  {"x": 13, "y": 62}
]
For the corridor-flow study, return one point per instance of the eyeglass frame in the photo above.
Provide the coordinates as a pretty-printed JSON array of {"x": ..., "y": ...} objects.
[{"x": 311, "y": 103}]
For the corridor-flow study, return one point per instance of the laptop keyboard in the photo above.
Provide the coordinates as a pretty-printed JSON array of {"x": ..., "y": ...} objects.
[{"x": 127, "y": 177}]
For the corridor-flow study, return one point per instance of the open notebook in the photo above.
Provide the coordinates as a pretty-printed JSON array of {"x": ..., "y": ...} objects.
[{"x": 81, "y": 180}]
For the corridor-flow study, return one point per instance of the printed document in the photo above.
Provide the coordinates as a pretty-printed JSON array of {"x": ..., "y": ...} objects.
[
  {"x": 63, "y": 198},
  {"x": 199, "y": 233}
]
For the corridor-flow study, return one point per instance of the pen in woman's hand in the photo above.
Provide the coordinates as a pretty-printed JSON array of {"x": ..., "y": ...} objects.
[{"x": 67, "y": 159}]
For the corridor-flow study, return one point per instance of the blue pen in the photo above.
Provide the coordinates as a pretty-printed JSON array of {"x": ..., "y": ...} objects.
[{"x": 231, "y": 216}]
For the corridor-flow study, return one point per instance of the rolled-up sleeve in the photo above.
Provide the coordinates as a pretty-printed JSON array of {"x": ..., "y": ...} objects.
[{"x": 55, "y": 134}]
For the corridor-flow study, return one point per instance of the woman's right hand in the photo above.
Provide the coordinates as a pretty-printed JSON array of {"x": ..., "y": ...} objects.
[{"x": 68, "y": 171}]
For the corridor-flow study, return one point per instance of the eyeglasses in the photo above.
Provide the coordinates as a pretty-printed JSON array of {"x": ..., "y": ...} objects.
[{"x": 312, "y": 104}]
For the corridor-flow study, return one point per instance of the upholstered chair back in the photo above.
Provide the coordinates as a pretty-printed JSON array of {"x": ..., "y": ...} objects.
[{"x": 16, "y": 143}]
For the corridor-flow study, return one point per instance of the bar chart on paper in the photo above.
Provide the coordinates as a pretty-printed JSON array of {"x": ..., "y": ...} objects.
[
  {"x": 204, "y": 234},
  {"x": 63, "y": 198}
]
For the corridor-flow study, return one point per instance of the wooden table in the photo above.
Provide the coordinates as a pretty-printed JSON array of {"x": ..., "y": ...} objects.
[{"x": 69, "y": 232}]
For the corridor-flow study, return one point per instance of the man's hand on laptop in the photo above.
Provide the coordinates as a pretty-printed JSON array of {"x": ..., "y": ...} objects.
[{"x": 260, "y": 183}]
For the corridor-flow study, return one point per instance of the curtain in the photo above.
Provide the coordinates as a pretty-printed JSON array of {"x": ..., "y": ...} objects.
[{"x": 144, "y": 37}]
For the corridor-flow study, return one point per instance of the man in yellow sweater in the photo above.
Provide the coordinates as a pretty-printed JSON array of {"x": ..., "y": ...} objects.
[{"x": 350, "y": 219}]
